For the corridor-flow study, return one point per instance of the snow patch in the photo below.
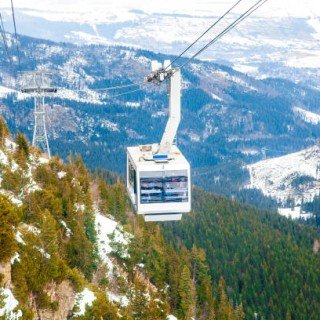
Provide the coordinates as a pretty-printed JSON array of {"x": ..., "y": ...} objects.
[
  {"x": 294, "y": 213},
  {"x": 68, "y": 230},
  {"x": 246, "y": 69},
  {"x": 110, "y": 126},
  {"x": 43, "y": 253},
  {"x": 214, "y": 96},
  {"x": 4, "y": 91},
  {"x": 123, "y": 301},
  {"x": 104, "y": 227},
  {"x": 279, "y": 177},
  {"x": 19, "y": 238},
  {"x": 250, "y": 152},
  {"x": 79, "y": 207},
  {"x": 10, "y": 303},
  {"x": 11, "y": 197},
  {"x": 83, "y": 299},
  {"x": 3, "y": 158},
  {"x": 32, "y": 229},
  {"x": 133, "y": 104},
  {"x": 61, "y": 174},
  {"x": 111, "y": 239},
  {"x": 308, "y": 116},
  {"x": 15, "y": 258}
]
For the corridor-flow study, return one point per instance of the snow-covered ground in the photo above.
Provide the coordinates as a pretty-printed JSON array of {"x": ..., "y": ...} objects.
[
  {"x": 121, "y": 300},
  {"x": 284, "y": 32},
  {"x": 84, "y": 299},
  {"x": 308, "y": 116},
  {"x": 8, "y": 311},
  {"x": 99, "y": 11},
  {"x": 111, "y": 238},
  {"x": 274, "y": 177},
  {"x": 294, "y": 213}
]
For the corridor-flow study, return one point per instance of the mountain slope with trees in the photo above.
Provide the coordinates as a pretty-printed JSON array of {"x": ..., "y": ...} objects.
[
  {"x": 229, "y": 119},
  {"x": 72, "y": 249},
  {"x": 269, "y": 262}
]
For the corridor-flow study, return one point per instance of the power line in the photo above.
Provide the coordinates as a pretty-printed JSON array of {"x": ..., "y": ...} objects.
[
  {"x": 15, "y": 34},
  {"x": 245, "y": 15},
  {"x": 204, "y": 33},
  {"x": 4, "y": 39}
]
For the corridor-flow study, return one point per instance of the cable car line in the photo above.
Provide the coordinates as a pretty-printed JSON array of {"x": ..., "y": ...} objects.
[
  {"x": 245, "y": 15},
  {"x": 242, "y": 17},
  {"x": 5, "y": 44},
  {"x": 15, "y": 34},
  {"x": 124, "y": 93},
  {"x": 158, "y": 175},
  {"x": 120, "y": 86},
  {"x": 204, "y": 33}
]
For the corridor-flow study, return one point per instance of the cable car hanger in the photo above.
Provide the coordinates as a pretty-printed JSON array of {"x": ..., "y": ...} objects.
[
  {"x": 158, "y": 175},
  {"x": 158, "y": 75}
]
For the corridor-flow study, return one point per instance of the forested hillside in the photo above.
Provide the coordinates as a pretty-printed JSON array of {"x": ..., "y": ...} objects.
[
  {"x": 269, "y": 262},
  {"x": 71, "y": 248},
  {"x": 229, "y": 119},
  {"x": 313, "y": 207}
]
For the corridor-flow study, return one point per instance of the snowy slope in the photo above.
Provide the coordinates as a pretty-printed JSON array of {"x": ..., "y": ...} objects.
[
  {"x": 281, "y": 33},
  {"x": 308, "y": 116},
  {"x": 294, "y": 176}
]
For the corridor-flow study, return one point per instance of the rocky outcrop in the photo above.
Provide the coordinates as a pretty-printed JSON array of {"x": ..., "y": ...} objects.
[
  {"x": 5, "y": 274},
  {"x": 61, "y": 293},
  {"x": 316, "y": 246}
]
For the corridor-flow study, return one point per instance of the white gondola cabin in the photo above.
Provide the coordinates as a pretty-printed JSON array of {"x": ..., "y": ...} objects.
[
  {"x": 159, "y": 190},
  {"x": 158, "y": 175}
]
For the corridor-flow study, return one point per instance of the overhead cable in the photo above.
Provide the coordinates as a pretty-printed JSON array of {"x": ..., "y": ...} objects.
[
  {"x": 242, "y": 17},
  {"x": 121, "y": 86},
  {"x": 204, "y": 33},
  {"x": 5, "y": 43},
  {"x": 124, "y": 93},
  {"x": 15, "y": 34}
]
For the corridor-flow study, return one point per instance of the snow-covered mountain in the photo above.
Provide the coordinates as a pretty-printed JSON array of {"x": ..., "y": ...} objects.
[
  {"x": 291, "y": 177},
  {"x": 229, "y": 119},
  {"x": 281, "y": 39}
]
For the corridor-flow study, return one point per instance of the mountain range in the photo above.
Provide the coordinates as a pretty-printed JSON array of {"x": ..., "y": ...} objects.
[
  {"x": 281, "y": 39},
  {"x": 229, "y": 119}
]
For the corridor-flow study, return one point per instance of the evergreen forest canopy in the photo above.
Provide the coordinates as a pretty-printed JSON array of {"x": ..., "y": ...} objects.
[
  {"x": 270, "y": 263},
  {"x": 222, "y": 261},
  {"x": 49, "y": 239}
]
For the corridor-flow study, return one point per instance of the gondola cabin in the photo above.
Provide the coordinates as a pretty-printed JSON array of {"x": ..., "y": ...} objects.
[
  {"x": 159, "y": 187},
  {"x": 158, "y": 175}
]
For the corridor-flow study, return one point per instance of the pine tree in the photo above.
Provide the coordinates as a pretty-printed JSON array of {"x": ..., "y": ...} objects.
[
  {"x": 240, "y": 315},
  {"x": 202, "y": 280},
  {"x": 186, "y": 294},
  {"x": 223, "y": 307},
  {"x": 8, "y": 220},
  {"x": 22, "y": 151},
  {"x": 288, "y": 315},
  {"x": 139, "y": 300},
  {"x": 4, "y": 132}
]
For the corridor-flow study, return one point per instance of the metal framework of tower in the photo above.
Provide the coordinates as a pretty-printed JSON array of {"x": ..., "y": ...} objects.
[{"x": 38, "y": 84}]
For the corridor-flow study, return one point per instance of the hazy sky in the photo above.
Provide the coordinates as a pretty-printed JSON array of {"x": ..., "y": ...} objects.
[{"x": 117, "y": 10}]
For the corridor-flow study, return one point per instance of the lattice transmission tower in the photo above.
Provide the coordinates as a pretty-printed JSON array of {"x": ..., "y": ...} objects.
[{"x": 38, "y": 84}]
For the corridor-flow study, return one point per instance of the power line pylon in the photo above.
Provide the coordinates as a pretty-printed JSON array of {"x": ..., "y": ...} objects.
[{"x": 38, "y": 84}]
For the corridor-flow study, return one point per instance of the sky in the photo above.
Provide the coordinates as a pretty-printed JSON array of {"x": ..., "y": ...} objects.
[{"x": 102, "y": 11}]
